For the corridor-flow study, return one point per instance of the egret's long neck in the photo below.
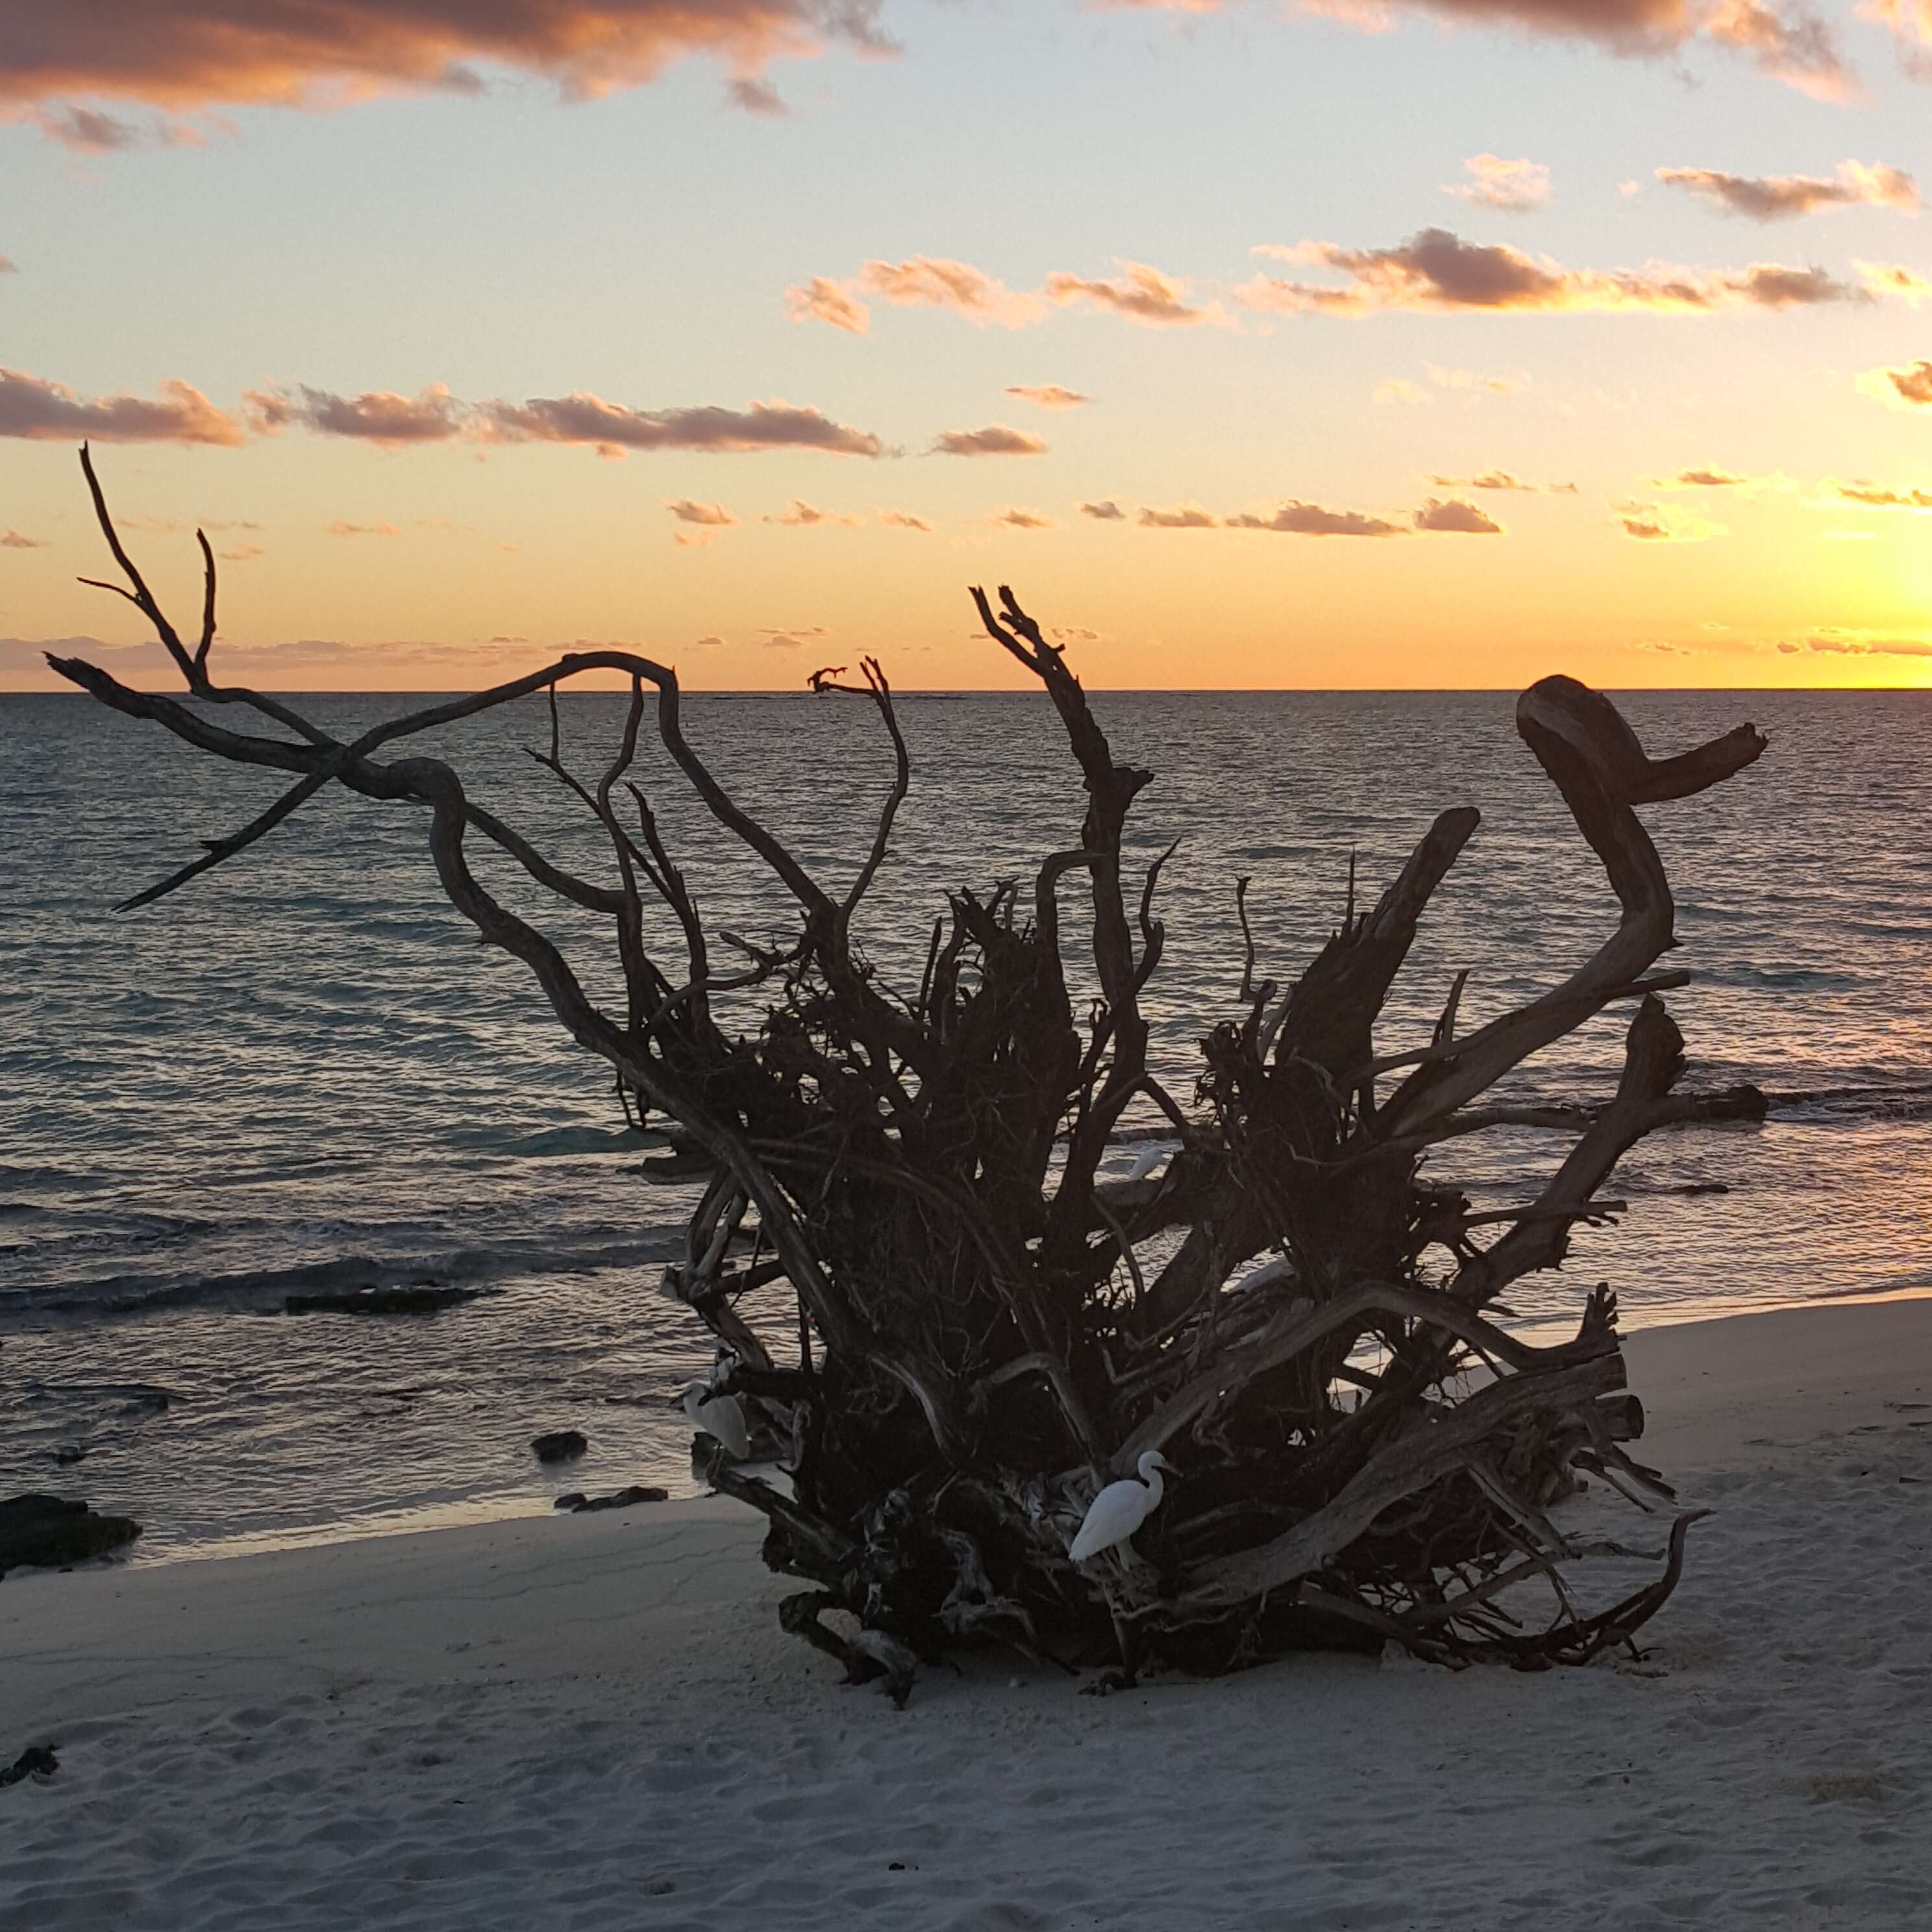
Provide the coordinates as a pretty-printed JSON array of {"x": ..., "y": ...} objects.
[{"x": 1156, "y": 1487}]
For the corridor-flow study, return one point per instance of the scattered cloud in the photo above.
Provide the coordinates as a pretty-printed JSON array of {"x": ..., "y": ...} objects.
[
  {"x": 996, "y": 440},
  {"x": 1790, "y": 43},
  {"x": 1911, "y": 24},
  {"x": 790, "y": 638},
  {"x": 1140, "y": 294},
  {"x": 295, "y": 663},
  {"x": 1909, "y": 387},
  {"x": 1105, "y": 511},
  {"x": 1489, "y": 479},
  {"x": 1510, "y": 187},
  {"x": 382, "y": 528},
  {"x": 820, "y": 299},
  {"x": 1658, "y": 522},
  {"x": 1310, "y": 519},
  {"x": 1863, "y": 495},
  {"x": 13, "y": 540},
  {"x": 752, "y": 95},
  {"x": 1454, "y": 517},
  {"x": 1700, "y": 479},
  {"x": 1049, "y": 395},
  {"x": 707, "y": 643},
  {"x": 243, "y": 553},
  {"x": 1183, "y": 517},
  {"x": 1436, "y": 271},
  {"x": 904, "y": 520},
  {"x": 1832, "y": 640},
  {"x": 200, "y": 53},
  {"x": 1780, "y": 197},
  {"x": 376, "y": 415},
  {"x": 1399, "y": 389},
  {"x": 1901, "y": 284},
  {"x": 801, "y": 515},
  {"x": 36, "y": 409},
  {"x": 933, "y": 281},
  {"x": 582, "y": 418},
  {"x": 700, "y": 525},
  {"x": 1023, "y": 520},
  {"x": 1709, "y": 476},
  {"x": 89, "y": 131},
  {"x": 1795, "y": 47},
  {"x": 381, "y": 416}
]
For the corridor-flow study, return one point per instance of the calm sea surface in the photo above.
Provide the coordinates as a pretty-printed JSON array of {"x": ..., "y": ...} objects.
[{"x": 303, "y": 1072}]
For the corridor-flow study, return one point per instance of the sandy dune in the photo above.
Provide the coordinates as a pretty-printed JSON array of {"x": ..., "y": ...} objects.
[{"x": 593, "y": 1722}]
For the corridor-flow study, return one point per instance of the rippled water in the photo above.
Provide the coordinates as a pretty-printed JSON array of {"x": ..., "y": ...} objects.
[{"x": 302, "y": 1071}]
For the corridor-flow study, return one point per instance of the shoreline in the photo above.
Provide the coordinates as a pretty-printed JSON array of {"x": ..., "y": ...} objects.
[
  {"x": 590, "y": 1721},
  {"x": 476, "y": 1513}
]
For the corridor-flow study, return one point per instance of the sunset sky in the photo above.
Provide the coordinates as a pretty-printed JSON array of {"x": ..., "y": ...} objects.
[{"x": 1353, "y": 344}]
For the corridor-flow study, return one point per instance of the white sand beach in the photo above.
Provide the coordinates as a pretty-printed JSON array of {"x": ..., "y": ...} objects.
[{"x": 594, "y": 1722}]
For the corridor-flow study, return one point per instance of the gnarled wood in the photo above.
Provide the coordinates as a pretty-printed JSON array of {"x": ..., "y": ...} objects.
[{"x": 980, "y": 1337}]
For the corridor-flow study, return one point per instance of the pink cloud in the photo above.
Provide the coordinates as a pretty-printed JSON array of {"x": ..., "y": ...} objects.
[
  {"x": 932, "y": 281},
  {"x": 1780, "y": 197},
  {"x": 91, "y": 131},
  {"x": 36, "y": 409},
  {"x": 1510, "y": 187},
  {"x": 582, "y": 418},
  {"x": 198, "y": 53},
  {"x": 1140, "y": 294},
  {"x": 996, "y": 440},
  {"x": 1436, "y": 271},
  {"x": 1311, "y": 520},
  {"x": 801, "y": 515},
  {"x": 1049, "y": 395},
  {"x": 712, "y": 516},
  {"x": 1455, "y": 517},
  {"x": 822, "y": 300},
  {"x": 1793, "y": 45},
  {"x": 376, "y": 415},
  {"x": 1183, "y": 517}
]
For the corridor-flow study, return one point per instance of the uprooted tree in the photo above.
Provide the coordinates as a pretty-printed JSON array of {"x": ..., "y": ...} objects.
[{"x": 987, "y": 1330}]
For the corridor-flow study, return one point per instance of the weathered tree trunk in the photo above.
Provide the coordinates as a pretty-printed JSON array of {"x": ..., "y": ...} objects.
[{"x": 978, "y": 1346}]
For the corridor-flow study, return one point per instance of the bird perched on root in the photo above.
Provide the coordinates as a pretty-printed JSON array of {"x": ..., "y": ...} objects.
[
  {"x": 720, "y": 1417},
  {"x": 1121, "y": 1508}
]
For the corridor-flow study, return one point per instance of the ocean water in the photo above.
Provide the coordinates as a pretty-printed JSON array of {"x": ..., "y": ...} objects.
[{"x": 302, "y": 1072}]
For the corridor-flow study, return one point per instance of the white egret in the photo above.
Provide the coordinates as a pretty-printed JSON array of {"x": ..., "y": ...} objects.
[
  {"x": 719, "y": 1416},
  {"x": 1121, "y": 1508}
]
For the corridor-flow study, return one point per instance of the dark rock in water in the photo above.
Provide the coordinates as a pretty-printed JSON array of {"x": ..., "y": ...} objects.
[
  {"x": 70, "y": 1453},
  {"x": 637, "y": 1492},
  {"x": 36, "y": 1761},
  {"x": 681, "y": 1164},
  {"x": 50, "y": 1531},
  {"x": 424, "y": 1298},
  {"x": 561, "y": 1445},
  {"x": 574, "y": 1500}
]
